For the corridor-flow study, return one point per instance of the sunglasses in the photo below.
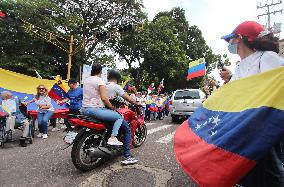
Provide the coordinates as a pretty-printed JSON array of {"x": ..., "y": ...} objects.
[{"x": 41, "y": 88}]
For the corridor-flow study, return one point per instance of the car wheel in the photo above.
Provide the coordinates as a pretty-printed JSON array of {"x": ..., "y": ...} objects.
[{"x": 175, "y": 118}]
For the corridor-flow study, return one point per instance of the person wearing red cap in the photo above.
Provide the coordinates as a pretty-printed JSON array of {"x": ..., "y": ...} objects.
[{"x": 258, "y": 50}]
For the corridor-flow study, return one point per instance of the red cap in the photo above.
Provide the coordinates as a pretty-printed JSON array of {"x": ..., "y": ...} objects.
[{"x": 249, "y": 29}]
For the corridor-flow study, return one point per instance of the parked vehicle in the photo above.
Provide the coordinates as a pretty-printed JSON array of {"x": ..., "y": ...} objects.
[
  {"x": 184, "y": 102},
  {"x": 89, "y": 138}
]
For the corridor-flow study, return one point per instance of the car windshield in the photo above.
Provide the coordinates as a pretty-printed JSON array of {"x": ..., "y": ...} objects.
[{"x": 186, "y": 94}]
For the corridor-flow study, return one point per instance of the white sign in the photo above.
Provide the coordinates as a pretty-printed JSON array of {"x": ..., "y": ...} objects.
[
  {"x": 86, "y": 71},
  {"x": 104, "y": 73}
]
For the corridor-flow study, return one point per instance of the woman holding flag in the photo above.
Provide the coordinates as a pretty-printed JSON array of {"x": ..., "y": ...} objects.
[
  {"x": 258, "y": 50},
  {"x": 234, "y": 137}
]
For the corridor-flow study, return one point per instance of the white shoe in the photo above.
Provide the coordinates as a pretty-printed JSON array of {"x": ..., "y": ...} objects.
[
  {"x": 55, "y": 129},
  {"x": 44, "y": 136},
  {"x": 129, "y": 160},
  {"x": 63, "y": 127},
  {"x": 39, "y": 135},
  {"x": 114, "y": 141}
]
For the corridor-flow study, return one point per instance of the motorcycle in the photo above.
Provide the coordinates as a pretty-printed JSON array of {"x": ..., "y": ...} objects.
[{"x": 90, "y": 135}]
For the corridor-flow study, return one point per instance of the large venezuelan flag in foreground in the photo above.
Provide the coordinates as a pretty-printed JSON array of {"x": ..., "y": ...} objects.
[
  {"x": 24, "y": 87},
  {"x": 236, "y": 126}
]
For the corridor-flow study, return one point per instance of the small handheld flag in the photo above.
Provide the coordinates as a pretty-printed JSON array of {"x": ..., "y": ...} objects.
[
  {"x": 196, "y": 69},
  {"x": 161, "y": 85},
  {"x": 126, "y": 85},
  {"x": 151, "y": 87},
  {"x": 58, "y": 91}
]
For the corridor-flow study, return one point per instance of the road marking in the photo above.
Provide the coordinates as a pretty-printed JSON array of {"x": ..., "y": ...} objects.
[
  {"x": 150, "y": 124},
  {"x": 166, "y": 139},
  {"x": 151, "y": 131}
]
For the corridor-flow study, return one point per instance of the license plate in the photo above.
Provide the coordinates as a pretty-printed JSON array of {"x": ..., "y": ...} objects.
[{"x": 70, "y": 137}]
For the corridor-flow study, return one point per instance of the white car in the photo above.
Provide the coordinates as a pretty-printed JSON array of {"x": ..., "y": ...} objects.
[{"x": 184, "y": 102}]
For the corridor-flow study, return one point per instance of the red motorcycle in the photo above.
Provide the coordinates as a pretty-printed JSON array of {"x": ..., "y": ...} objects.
[{"x": 90, "y": 135}]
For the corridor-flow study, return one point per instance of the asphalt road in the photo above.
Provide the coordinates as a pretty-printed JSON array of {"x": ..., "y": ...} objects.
[{"x": 44, "y": 163}]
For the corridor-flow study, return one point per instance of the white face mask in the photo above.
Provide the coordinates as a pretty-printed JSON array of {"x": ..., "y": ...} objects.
[{"x": 233, "y": 47}]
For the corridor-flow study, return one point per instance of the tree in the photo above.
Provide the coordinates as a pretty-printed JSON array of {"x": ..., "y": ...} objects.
[
  {"x": 81, "y": 17},
  {"x": 164, "y": 56}
]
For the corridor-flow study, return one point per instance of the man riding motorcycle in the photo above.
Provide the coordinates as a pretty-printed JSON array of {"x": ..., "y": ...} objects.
[
  {"x": 113, "y": 91},
  {"x": 95, "y": 99}
]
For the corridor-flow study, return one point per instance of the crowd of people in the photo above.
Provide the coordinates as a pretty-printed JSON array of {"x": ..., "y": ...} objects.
[
  {"x": 94, "y": 99},
  {"x": 257, "y": 49}
]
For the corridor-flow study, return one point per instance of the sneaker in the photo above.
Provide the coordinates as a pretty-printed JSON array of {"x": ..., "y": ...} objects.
[
  {"x": 63, "y": 127},
  {"x": 39, "y": 135},
  {"x": 55, "y": 129},
  {"x": 44, "y": 136},
  {"x": 129, "y": 160},
  {"x": 114, "y": 141}
]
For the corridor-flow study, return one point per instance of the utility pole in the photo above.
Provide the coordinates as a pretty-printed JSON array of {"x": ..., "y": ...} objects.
[
  {"x": 268, "y": 11},
  {"x": 58, "y": 41}
]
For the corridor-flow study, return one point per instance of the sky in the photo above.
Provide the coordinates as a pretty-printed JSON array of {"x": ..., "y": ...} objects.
[{"x": 216, "y": 18}]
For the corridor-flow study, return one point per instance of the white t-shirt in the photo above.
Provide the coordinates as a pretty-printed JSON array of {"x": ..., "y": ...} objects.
[
  {"x": 44, "y": 100},
  {"x": 91, "y": 93},
  {"x": 114, "y": 90},
  {"x": 258, "y": 62}
]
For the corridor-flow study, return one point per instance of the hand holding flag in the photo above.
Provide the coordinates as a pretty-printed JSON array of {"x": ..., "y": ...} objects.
[{"x": 58, "y": 91}]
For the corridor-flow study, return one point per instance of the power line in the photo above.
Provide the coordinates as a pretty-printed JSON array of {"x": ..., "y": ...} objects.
[{"x": 269, "y": 12}]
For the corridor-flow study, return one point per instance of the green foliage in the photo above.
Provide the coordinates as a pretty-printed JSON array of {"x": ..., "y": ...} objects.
[
  {"x": 162, "y": 49},
  {"x": 23, "y": 52}
]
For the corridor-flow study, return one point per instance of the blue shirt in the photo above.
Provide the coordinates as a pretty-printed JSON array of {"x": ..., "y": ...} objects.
[{"x": 76, "y": 97}]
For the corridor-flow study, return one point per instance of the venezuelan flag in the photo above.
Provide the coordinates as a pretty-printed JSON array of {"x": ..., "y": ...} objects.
[
  {"x": 4, "y": 109},
  {"x": 151, "y": 87},
  {"x": 23, "y": 87},
  {"x": 235, "y": 128},
  {"x": 57, "y": 93},
  {"x": 161, "y": 85},
  {"x": 196, "y": 69},
  {"x": 126, "y": 85}
]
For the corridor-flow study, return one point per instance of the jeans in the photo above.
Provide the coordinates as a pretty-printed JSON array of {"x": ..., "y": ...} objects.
[
  {"x": 268, "y": 172},
  {"x": 105, "y": 115},
  {"x": 127, "y": 138},
  {"x": 43, "y": 121},
  {"x": 112, "y": 116},
  {"x": 71, "y": 111},
  {"x": 53, "y": 122}
]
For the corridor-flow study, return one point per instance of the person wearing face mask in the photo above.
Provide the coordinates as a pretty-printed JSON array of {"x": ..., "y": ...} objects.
[{"x": 257, "y": 49}]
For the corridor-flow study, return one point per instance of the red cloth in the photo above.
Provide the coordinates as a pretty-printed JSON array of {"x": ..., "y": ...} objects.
[
  {"x": 58, "y": 113},
  {"x": 203, "y": 162}
]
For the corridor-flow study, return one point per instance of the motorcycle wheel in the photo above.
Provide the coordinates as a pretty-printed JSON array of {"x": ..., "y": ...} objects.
[
  {"x": 79, "y": 154},
  {"x": 140, "y": 137}
]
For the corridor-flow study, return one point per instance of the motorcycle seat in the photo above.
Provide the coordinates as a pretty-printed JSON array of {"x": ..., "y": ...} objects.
[{"x": 93, "y": 119}]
